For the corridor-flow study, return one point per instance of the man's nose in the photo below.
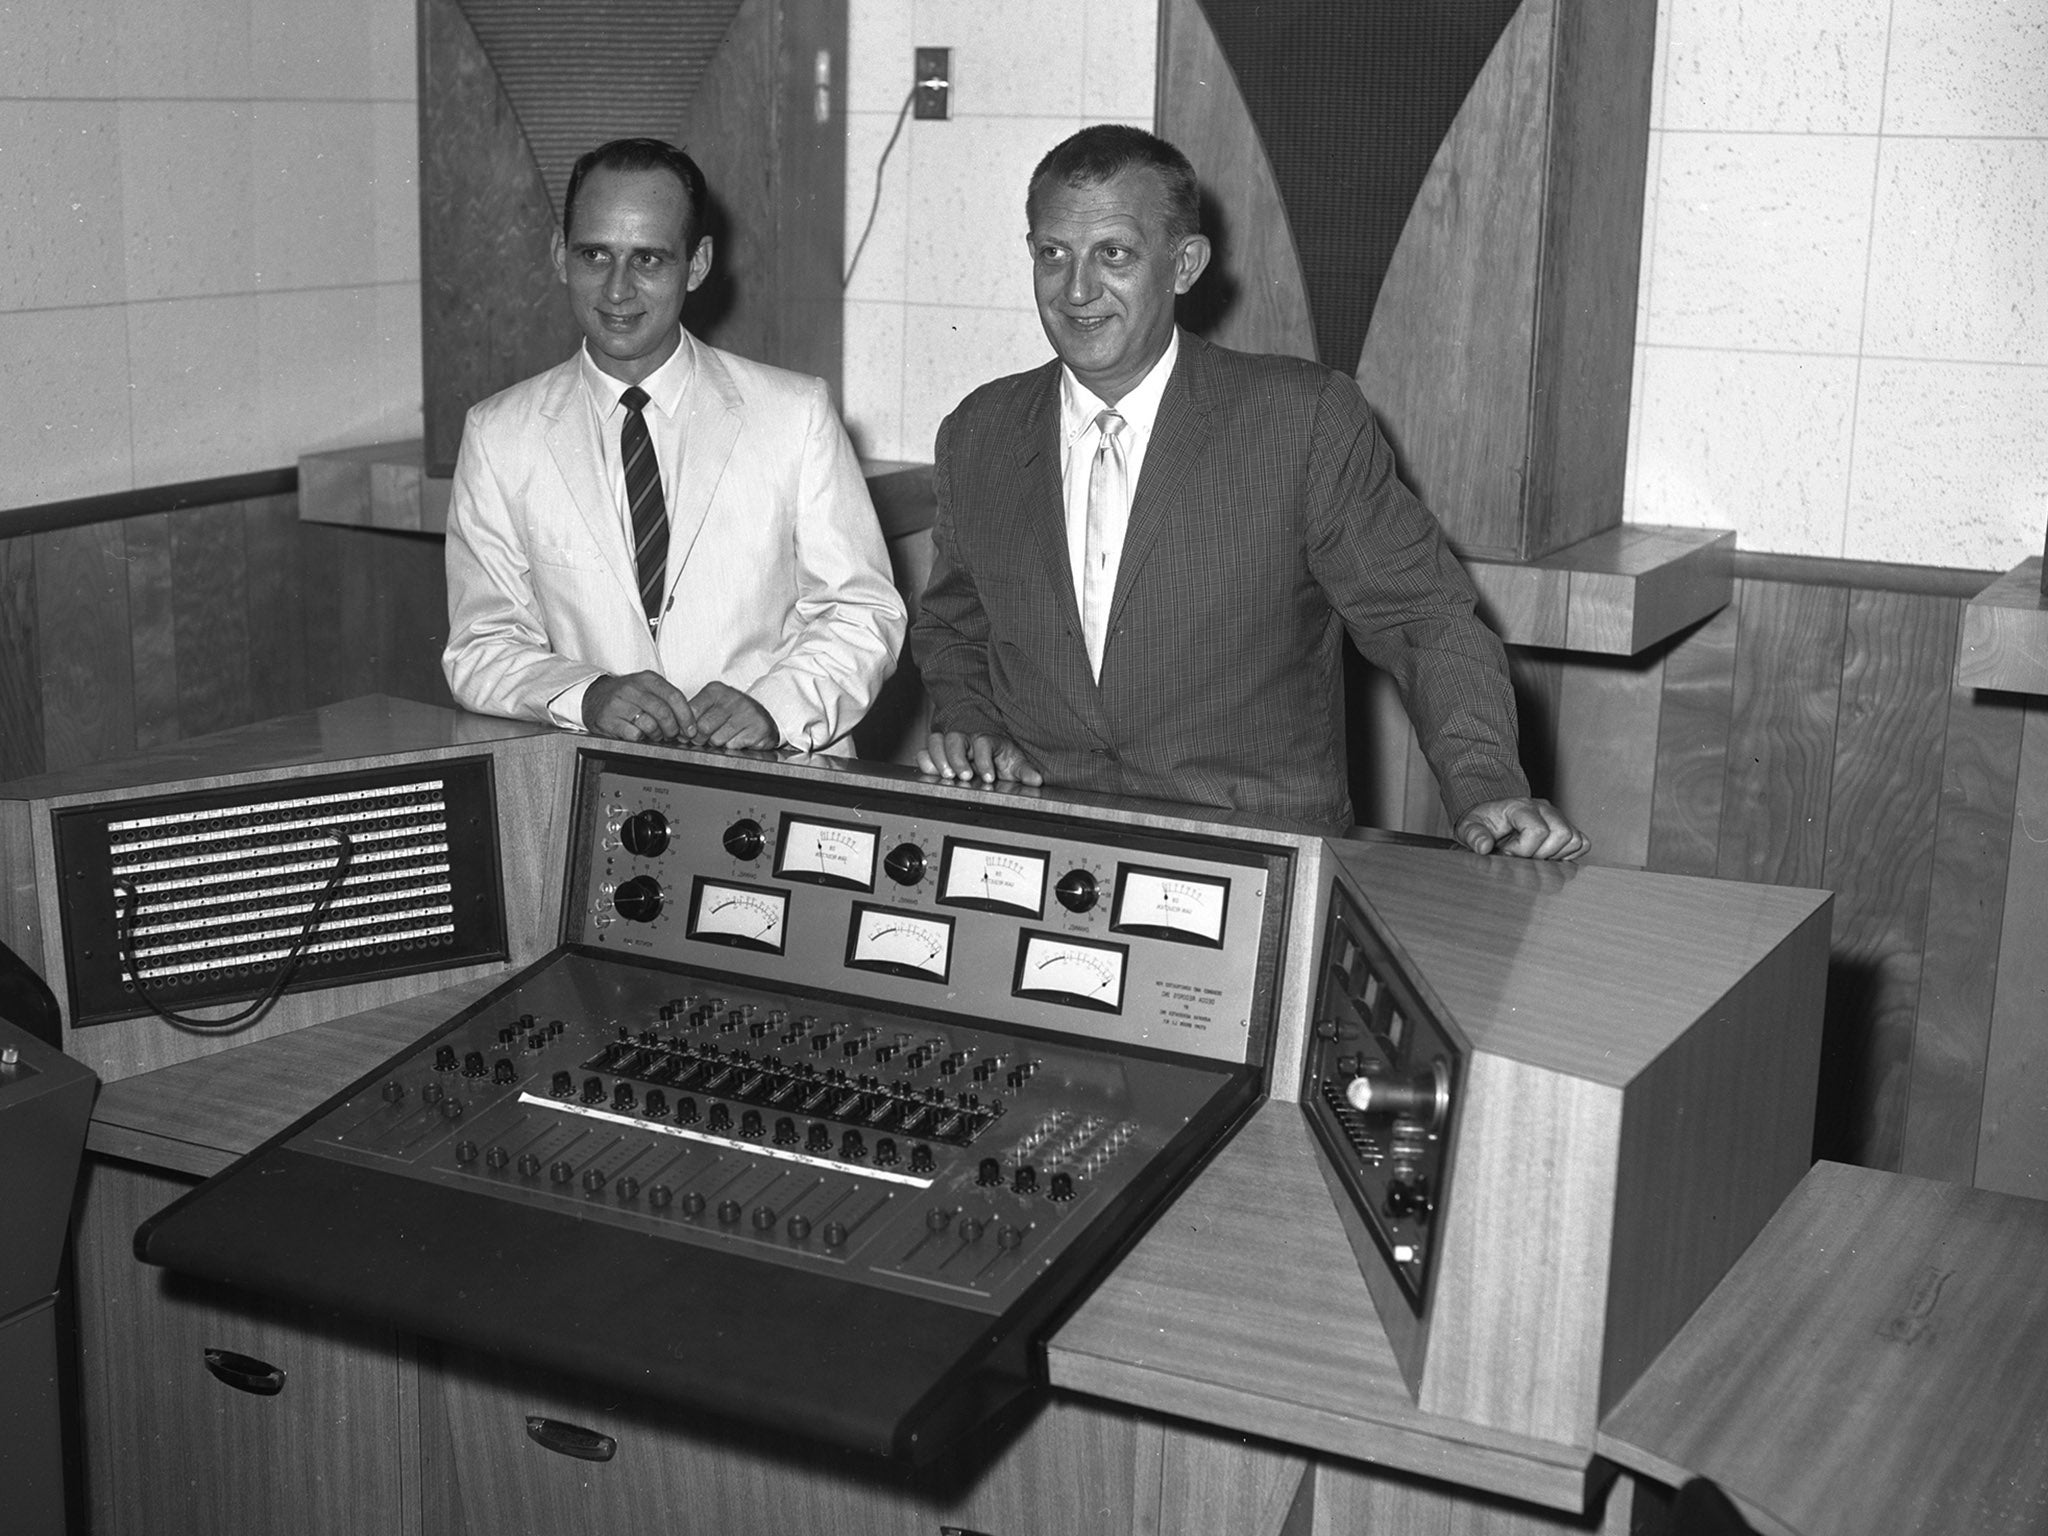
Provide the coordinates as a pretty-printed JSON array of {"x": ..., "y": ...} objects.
[
  {"x": 618, "y": 281},
  {"x": 1081, "y": 285}
]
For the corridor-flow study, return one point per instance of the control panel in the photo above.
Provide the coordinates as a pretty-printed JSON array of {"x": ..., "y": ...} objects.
[{"x": 1383, "y": 1074}]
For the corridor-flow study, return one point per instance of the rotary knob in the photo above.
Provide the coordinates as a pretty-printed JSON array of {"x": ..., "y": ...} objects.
[
  {"x": 743, "y": 839},
  {"x": 638, "y": 900},
  {"x": 1077, "y": 890},
  {"x": 645, "y": 834},
  {"x": 905, "y": 863}
]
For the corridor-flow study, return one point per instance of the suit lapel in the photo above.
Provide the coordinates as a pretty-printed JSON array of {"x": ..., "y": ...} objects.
[
  {"x": 1041, "y": 499},
  {"x": 707, "y": 444},
  {"x": 581, "y": 465},
  {"x": 1178, "y": 435}
]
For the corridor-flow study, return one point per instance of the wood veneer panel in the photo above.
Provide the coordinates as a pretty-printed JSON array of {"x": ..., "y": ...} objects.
[
  {"x": 1450, "y": 354},
  {"x": 1606, "y": 738},
  {"x": 1253, "y": 297},
  {"x": 152, "y": 635},
  {"x": 270, "y": 537},
  {"x": 21, "y": 692},
  {"x": 210, "y": 615},
  {"x": 1897, "y": 664},
  {"x": 1539, "y": 681},
  {"x": 1217, "y": 1485},
  {"x": 1365, "y": 1501},
  {"x": 2012, "y": 1152},
  {"x": 1692, "y": 748},
  {"x": 1876, "y": 1362},
  {"x": 1965, "y": 913},
  {"x": 376, "y": 616},
  {"x": 82, "y": 617},
  {"x": 1781, "y": 746}
]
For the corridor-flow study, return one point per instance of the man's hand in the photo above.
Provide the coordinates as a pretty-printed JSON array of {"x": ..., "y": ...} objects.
[
  {"x": 726, "y": 717},
  {"x": 991, "y": 759},
  {"x": 1521, "y": 829},
  {"x": 642, "y": 706}
]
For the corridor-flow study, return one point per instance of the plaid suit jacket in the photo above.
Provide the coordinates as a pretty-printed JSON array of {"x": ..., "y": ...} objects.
[{"x": 1267, "y": 522}]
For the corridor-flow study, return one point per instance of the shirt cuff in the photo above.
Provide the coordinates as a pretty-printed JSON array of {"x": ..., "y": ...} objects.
[{"x": 566, "y": 708}]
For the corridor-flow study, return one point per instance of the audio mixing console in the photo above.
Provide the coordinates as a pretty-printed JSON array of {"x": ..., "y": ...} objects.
[{"x": 835, "y": 1097}]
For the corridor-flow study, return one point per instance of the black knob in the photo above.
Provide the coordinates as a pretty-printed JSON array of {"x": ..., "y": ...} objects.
[
  {"x": 785, "y": 1131},
  {"x": 504, "y": 1071},
  {"x": 638, "y": 900},
  {"x": 990, "y": 1172},
  {"x": 529, "y": 1165},
  {"x": 496, "y": 1158},
  {"x": 451, "y": 1109},
  {"x": 394, "y": 1091},
  {"x": 656, "y": 1105},
  {"x": 799, "y": 1227},
  {"x": 627, "y": 1187},
  {"x": 720, "y": 1118},
  {"x": 1060, "y": 1187},
  {"x": 560, "y": 1171},
  {"x": 905, "y": 863},
  {"x": 593, "y": 1090},
  {"x": 660, "y": 1195},
  {"x": 1026, "y": 1180},
  {"x": 693, "y": 1202},
  {"x": 593, "y": 1179},
  {"x": 728, "y": 1212},
  {"x": 623, "y": 1098},
  {"x": 885, "y": 1152},
  {"x": 431, "y": 1094},
  {"x": 937, "y": 1218},
  {"x": 645, "y": 834},
  {"x": 820, "y": 1137},
  {"x": 970, "y": 1229},
  {"x": 444, "y": 1059},
  {"x": 920, "y": 1158},
  {"x": 562, "y": 1085},
  {"x": 764, "y": 1219},
  {"x": 465, "y": 1151},
  {"x": 852, "y": 1147},
  {"x": 1009, "y": 1237},
  {"x": 686, "y": 1110},
  {"x": 473, "y": 1064},
  {"x": 1077, "y": 890},
  {"x": 743, "y": 839},
  {"x": 750, "y": 1123}
]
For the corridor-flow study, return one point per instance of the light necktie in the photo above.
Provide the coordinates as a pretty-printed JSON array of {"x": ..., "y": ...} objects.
[
  {"x": 1107, "y": 495},
  {"x": 643, "y": 496}
]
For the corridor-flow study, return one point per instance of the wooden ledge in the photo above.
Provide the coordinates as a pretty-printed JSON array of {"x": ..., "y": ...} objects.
[
  {"x": 2005, "y": 634},
  {"x": 386, "y": 485},
  {"x": 1615, "y": 594}
]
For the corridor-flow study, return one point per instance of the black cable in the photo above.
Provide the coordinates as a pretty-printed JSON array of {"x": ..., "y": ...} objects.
[
  {"x": 125, "y": 931},
  {"x": 875, "y": 207}
]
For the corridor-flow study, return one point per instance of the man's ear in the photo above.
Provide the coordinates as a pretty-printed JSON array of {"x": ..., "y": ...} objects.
[
  {"x": 700, "y": 264},
  {"x": 558, "y": 249},
  {"x": 1189, "y": 262}
]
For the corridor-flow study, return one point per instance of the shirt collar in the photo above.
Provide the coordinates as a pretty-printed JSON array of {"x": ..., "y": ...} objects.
[
  {"x": 665, "y": 386},
  {"x": 1139, "y": 408}
]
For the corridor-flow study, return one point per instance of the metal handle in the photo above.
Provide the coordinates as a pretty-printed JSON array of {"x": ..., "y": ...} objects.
[
  {"x": 245, "y": 1373},
  {"x": 570, "y": 1439}
]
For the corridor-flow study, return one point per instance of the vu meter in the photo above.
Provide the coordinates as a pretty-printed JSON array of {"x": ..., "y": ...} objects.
[
  {"x": 1074, "y": 971},
  {"x": 993, "y": 879},
  {"x": 900, "y": 943},
  {"x": 826, "y": 853},
  {"x": 1169, "y": 905},
  {"x": 744, "y": 916}
]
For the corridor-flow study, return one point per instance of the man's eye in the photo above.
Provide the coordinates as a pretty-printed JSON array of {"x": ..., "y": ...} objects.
[{"x": 648, "y": 261}]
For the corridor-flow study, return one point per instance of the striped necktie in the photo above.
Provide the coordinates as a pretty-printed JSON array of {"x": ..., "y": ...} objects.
[{"x": 643, "y": 495}]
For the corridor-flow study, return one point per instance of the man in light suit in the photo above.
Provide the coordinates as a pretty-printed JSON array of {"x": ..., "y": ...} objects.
[
  {"x": 657, "y": 540},
  {"x": 1147, "y": 551}
]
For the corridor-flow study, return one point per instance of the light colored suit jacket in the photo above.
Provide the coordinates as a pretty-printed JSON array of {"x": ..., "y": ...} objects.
[
  {"x": 1267, "y": 522},
  {"x": 777, "y": 573}
]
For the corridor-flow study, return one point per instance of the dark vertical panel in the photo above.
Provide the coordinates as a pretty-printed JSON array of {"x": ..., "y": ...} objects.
[
  {"x": 1692, "y": 747},
  {"x": 1781, "y": 740},
  {"x": 270, "y": 536},
  {"x": 1898, "y": 662},
  {"x": 152, "y": 637},
  {"x": 1539, "y": 699},
  {"x": 21, "y": 693},
  {"x": 1965, "y": 911},
  {"x": 1606, "y": 751},
  {"x": 376, "y": 616},
  {"x": 2012, "y": 1145},
  {"x": 210, "y": 617},
  {"x": 82, "y": 619}
]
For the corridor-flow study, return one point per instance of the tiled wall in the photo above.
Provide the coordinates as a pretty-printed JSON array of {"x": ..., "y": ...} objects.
[
  {"x": 1842, "y": 342},
  {"x": 209, "y": 255},
  {"x": 941, "y": 298}
]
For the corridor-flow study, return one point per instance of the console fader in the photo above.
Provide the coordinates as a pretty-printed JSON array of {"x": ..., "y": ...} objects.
[{"x": 836, "y": 1095}]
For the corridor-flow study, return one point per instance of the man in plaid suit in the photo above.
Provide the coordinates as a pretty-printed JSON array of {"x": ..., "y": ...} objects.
[{"x": 1148, "y": 550}]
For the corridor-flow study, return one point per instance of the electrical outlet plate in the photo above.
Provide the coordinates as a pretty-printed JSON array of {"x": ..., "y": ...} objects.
[{"x": 932, "y": 76}]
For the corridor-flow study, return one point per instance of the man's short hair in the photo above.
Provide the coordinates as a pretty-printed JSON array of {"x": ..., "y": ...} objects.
[
  {"x": 642, "y": 155},
  {"x": 1105, "y": 151}
]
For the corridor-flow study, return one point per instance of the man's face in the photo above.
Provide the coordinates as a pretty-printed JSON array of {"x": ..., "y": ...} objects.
[
  {"x": 1106, "y": 275},
  {"x": 626, "y": 268}
]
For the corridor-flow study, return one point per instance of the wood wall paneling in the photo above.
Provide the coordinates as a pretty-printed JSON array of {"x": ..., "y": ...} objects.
[
  {"x": 153, "y": 638},
  {"x": 1253, "y": 297},
  {"x": 1782, "y": 733},
  {"x": 1613, "y": 708},
  {"x": 1965, "y": 915},
  {"x": 21, "y": 692},
  {"x": 2012, "y": 1145},
  {"x": 210, "y": 617},
  {"x": 1898, "y": 660},
  {"x": 1693, "y": 725},
  {"x": 82, "y": 619}
]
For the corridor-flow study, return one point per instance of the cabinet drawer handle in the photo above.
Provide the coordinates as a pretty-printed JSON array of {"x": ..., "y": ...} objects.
[
  {"x": 570, "y": 1439},
  {"x": 245, "y": 1373}
]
